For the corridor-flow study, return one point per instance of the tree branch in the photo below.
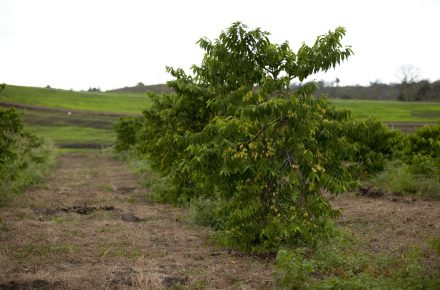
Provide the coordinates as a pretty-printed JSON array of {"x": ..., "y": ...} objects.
[
  {"x": 261, "y": 131},
  {"x": 302, "y": 196}
]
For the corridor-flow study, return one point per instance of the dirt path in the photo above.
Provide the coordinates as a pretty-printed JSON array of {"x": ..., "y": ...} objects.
[{"x": 88, "y": 227}]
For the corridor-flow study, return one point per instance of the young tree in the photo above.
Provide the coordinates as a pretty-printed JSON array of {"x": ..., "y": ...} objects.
[{"x": 236, "y": 133}]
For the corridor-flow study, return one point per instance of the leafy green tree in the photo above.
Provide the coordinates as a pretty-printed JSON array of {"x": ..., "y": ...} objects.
[
  {"x": 234, "y": 132},
  {"x": 374, "y": 143},
  {"x": 126, "y": 129}
]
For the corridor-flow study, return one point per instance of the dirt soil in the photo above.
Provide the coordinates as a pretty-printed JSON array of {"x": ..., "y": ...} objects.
[
  {"x": 91, "y": 227},
  {"x": 389, "y": 224}
]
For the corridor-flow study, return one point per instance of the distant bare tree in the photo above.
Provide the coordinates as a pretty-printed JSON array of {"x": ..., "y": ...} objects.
[{"x": 407, "y": 73}]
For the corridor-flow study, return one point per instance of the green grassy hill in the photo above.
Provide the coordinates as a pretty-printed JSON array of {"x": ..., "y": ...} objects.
[
  {"x": 141, "y": 88},
  {"x": 128, "y": 103}
]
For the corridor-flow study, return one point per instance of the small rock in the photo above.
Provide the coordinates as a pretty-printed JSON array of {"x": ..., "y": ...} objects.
[{"x": 129, "y": 217}]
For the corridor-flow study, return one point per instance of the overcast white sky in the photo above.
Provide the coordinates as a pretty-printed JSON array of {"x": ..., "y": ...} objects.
[{"x": 114, "y": 43}]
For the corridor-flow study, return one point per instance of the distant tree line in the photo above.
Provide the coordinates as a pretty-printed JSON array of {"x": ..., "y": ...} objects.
[
  {"x": 422, "y": 90},
  {"x": 93, "y": 90},
  {"x": 142, "y": 88}
]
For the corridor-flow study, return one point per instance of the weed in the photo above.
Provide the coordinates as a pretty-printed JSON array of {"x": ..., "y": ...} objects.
[
  {"x": 65, "y": 248},
  {"x": 105, "y": 187},
  {"x": 41, "y": 250},
  {"x": 3, "y": 227},
  {"x": 341, "y": 264},
  {"x": 107, "y": 249},
  {"x": 138, "y": 198},
  {"x": 398, "y": 178},
  {"x": 25, "y": 251},
  {"x": 199, "y": 284},
  {"x": 106, "y": 229},
  {"x": 59, "y": 220}
]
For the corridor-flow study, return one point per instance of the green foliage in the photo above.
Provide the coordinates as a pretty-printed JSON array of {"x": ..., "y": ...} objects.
[
  {"x": 425, "y": 141},
  {"x": 22, "y": 155},
  {"x": 235, "y": 137},
  {"x": 375, "y": 143},
  {"x": 416, "y": 167},
  {"x": 293, "y": 269},
  {"x": 435, "y": 243},
  {"x": 401, "y": 178},
  {"x": 422, "y": 152},
  {"x": 3, "y": 226},
  {"x": 340, "y": 264},
  {"x": 126, "y": 129},
  {"x": 424, "y": 165}
]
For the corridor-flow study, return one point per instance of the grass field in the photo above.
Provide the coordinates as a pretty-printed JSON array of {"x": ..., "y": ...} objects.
[
  {"x": 73, "y": 134},
  {"x": 127, "y": 103},
  {"x": 71, "y": 130},
  {"x": 134, "y": 103},
  {"x": 391, "y": 111}
]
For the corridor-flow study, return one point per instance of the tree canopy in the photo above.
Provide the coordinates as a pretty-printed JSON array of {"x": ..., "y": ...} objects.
[{"x": 236, "y": 137}]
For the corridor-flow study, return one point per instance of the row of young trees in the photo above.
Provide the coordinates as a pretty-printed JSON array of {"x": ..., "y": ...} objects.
[{"x": 254, "y": 155}]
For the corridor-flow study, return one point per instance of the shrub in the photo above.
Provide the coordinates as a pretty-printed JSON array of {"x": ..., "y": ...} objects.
[
  {"x": 422, "y": 151},
  {"x": 293, "y": 269},
  {"x": 425, "y": 141},
  {"x": 23, "y": 156},
  {"x": 375, "y": 143},
  {"x": 126, "y": 129}
]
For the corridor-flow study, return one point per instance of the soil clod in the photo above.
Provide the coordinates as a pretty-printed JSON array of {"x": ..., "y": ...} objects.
[
  {"x": 125, "y": 189},
  {"x": 124, "y": 276},
  {"x": 371, "y": 192},
  {"x": 34, "y": 284},
  {"x": 129, "y": 217},
  {"x": 171, "y": 281}
]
